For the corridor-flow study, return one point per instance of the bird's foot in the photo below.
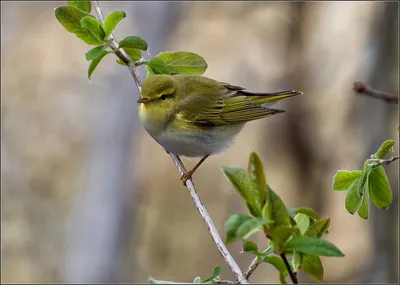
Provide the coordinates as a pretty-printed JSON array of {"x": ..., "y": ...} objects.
[{"x": 186, "y": 176}]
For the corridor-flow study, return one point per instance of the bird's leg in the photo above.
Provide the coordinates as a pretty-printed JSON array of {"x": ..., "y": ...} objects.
[{"x": 188, "y": 175}]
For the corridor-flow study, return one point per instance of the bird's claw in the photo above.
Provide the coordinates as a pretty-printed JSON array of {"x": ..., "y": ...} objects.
[{"x": 186, "y": 176}]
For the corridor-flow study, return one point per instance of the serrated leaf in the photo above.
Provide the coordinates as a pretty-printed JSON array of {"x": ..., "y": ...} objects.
[
  {"x": 313, "y": 245},
  {"x": 95, "y": 62},
  {"x": 197, "y": 280},
  {"x": 69, "y": 17},
  {"x": 304, "y": 210},
  {"x": 343, "y": 179},
  {"x": 82, "y": 5},
  {"x": 384, "y": 148},
  {"x": 256, "y": 175},
  {"x": 250, "y": 247},
  {"x": 379, "y": 188},
  {"x": 133, "y": 53},
  {"x": 111, "y": 22},
  {"x": 318, "y": 228},
  {"x": 182, "y": 62},
  {"x": 239, "y": 227},
  {"x": 94, "y": 26},
  {"x": 275, "y": 210},
  {"x": 134, "y": 42},
  {"x": 278, "y": 264},
  {"x": 353, "y": 198},
  {"x": 94, "y": 52},
  {"x": 240, "y": 181},
  {"x": 313, "y": 266},
  {"x": 280, "y": 235},
  {"x": 302, "y": 222}
]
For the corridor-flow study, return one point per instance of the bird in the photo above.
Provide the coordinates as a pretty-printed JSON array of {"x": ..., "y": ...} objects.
[{"x": 196, "y": 116}]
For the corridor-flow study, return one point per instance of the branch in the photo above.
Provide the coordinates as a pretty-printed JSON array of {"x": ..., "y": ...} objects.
[
  {"x": 196, "y": 198},
  {"x": 292, "y": 275},
  {"x": 383, "y": 161},
  {"x": 253, "y": 265},
  {"x": 363, "y": 89}
]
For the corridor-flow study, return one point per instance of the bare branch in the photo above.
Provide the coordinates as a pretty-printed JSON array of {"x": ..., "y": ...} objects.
[
  {"x": 363, "y": 89},
  {"x": 253, "y": 265},
  {"x": 196, "y": 198}
]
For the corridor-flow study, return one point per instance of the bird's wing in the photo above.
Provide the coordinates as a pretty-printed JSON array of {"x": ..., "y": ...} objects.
[{"x": 232, "y": 108}]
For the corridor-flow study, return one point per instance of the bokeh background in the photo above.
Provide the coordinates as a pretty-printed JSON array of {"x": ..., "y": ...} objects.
[{"x": 88, "y": 196}]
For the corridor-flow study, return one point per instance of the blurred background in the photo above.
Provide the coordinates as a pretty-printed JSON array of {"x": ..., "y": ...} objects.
[{"x": 88, "y": 196}]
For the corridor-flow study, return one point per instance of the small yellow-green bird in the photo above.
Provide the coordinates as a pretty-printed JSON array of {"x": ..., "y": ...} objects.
[{"x": 196, "y": 116}]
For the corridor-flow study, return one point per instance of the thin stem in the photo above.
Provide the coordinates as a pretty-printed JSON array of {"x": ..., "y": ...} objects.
[
  {"x": 196, "y": 198},
  {"x": 363, "y": 89},
  {"x": 253, "y": 265},
  {"x": 292, "y": 275},
  {"x": 383, "y": 161}
]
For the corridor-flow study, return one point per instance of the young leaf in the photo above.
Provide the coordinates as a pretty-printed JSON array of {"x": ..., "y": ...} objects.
[
  {"x": 302, "y": 222},
  {"x": 94, "y": 26},
  {"x": 275, "y": 210},
  {"x": 296, "y": 260},
  {"x": 313, "y": 245},
  {"x": 216, "y": 272},
  {"x": 250, "y": 247},
  {"x": 197, "y": 280},
  {"x": 69, "y": 17},
  {"x": 83, "y": 5},
  {"x": 134, "y": 42},
  {"x": 149, "y": 71},
  {"x": 353, "y": 199},
  {"x": 159, "y": 66},
  {"x": 280, "y": 235},
  {"x": 240, "y": 180},
  {"x": 95, "y": 62},
  {"x": 94, "y": 52},
  {"x": 256, "y": 174},
  {"x": 363, "y": 211},
  {"x": 318, "y": 228},
  {"x": 278, "y": 264},
  {"x": 343, "y": 179},
  {"x": 133, "y": 53},
  {"x": 151, "y": 280},
  {"x": 239, "y": 227},
  {"x": 384, "y": 148},
  {"x": 182, "y": 62},
  {"x": 111, "y": 22},
  {"x": 379, "y": 188},
  {"x": 312, "y": 265},
  {"x": 303, "y": 210}
]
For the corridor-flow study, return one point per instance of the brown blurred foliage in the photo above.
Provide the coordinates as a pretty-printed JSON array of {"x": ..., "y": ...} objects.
[{"x": 83, "y": 183}]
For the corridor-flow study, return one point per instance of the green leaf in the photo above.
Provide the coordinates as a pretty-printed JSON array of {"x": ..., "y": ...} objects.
[
  {"x": 149, "y": 71},
  {"x": 318, "y": 228},
  {"x": 95, "y": 62},
  {"x": 111, "y": 22},
  {"x": 302, "y": 222},
  {"x": 151, "y": 280},
  {"x": 94, "y": 26},
  {"x": 312, "y": 265},
  {"x": 216, "y": 273},
  {"x": 353, "y": 199},
  {"x": 275, "y": 210},
  {"x": 343, "y": 179},
  {"x": 197, "y": 280},
  {"x": 257, "y": 179},
  {"x": 313, "y": 245},
  {"x": 282, "y": 278},
  {"x": 250, "y": 247},
  {"x": 239, "y": 227},
  {"x": 240, "y": 180},
  {"x": 133, "y": 53},
  {"x": 363, "y": 211},
  {"x": 158, "y": 66},
  {"x": 278, "y": 264},
  {"x": 296, "y": 260},
  {"x": 69, "y": 17},
  {"x": 384, "y": 148},
  {"x": 182, "y": 62},
  {"x": 280, "y": 235},
  {"x": 83, "y": 5},
  {"x": 94, "y": 52},
  {"x": 303, "y": 210},
  {"x": 134, "y": 42},
  {"x": 379, "y": 188}
]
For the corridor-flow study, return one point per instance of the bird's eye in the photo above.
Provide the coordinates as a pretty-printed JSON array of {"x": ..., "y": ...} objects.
[{"x": 163, "y": 97}]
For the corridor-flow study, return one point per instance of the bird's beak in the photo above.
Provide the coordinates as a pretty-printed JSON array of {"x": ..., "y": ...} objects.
[{"x": 143, "y": 100}]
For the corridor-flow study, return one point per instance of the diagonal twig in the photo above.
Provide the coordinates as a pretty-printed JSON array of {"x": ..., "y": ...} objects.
[
  {"x": 363, "y": 89},
  {"x": 192, "y": 190}
]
